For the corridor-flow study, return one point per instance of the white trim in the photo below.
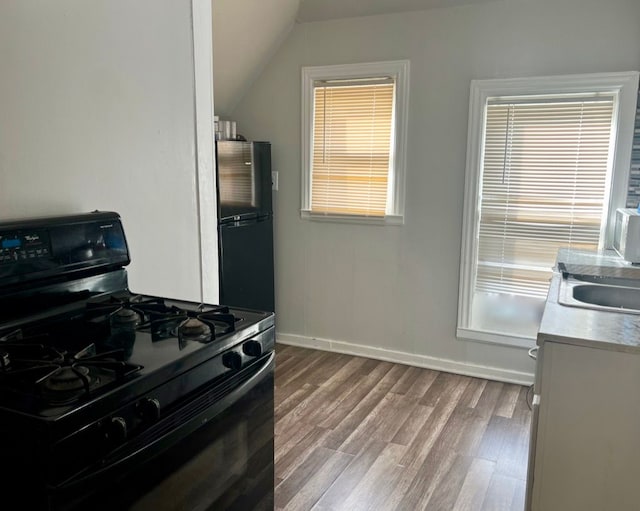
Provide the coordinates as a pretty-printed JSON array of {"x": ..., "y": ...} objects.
[
  {"x": 399, "y": 69},
  {"x": 625, "y": 84},
  {"x": 205, "y": 160},
  {"x": 353, "y": 219},
  {"x": 475, "y": 148},
  {"x": 495, "y": 338},
  {"x": 401, "y": 357}
]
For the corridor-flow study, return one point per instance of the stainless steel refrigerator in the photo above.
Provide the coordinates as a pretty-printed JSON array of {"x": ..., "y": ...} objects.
[{"x": 245, "y": 224}]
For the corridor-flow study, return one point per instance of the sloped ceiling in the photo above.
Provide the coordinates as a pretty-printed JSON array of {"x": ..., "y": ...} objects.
[{"x": 247, "y": 33}]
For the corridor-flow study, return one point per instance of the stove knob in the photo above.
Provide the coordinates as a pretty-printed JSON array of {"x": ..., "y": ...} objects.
[
  {"x": 232, "y": 360},
  {"x": 252, "y": 348},
  {"x": 116, "y": 430},
  {"x": 148, "y": 409}
]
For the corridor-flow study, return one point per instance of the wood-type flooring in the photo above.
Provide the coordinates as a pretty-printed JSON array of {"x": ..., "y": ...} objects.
[{"x": 359, "y": 434}]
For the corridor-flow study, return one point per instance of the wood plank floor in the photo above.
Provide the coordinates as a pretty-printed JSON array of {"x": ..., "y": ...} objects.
[{"x": 357, "y": 434}]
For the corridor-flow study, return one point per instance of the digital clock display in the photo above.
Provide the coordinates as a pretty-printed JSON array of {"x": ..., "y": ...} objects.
[{"x": 11, "y": 243}]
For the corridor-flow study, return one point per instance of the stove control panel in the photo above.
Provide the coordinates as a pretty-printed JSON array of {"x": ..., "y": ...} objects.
[
  {"x": 24, "y": 247},
  {"x": 51, "y": 247}
]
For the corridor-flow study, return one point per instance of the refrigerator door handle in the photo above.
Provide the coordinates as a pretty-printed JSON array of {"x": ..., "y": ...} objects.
[
  {"x": 239, "y": 223},
  {"x": 245, "y": 222}
]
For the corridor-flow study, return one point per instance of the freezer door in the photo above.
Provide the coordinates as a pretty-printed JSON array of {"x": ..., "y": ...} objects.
[
  {"x": 244, "y": 179},
  {"x": 246, "y": 264}
]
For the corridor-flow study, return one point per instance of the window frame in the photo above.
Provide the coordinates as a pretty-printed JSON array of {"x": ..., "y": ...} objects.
[
  {"x": 399, "y": 70},
  {"x": 624, "y": 84}
]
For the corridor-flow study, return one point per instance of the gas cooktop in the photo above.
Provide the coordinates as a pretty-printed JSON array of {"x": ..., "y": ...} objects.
[{"x": 101, "y": 345}]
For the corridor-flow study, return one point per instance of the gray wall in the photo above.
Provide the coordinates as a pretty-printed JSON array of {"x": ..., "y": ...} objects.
[
  {"x": 97, "y": 112},
  {"x": 396, "y": 288}
]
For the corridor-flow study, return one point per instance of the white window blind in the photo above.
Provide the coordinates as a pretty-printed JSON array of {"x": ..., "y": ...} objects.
[
  {"x": 352, "y": 146},
  {"x": 544, "y": 186}
]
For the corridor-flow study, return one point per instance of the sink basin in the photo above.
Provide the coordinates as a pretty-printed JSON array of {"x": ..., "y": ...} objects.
[
  {"x": 579, "y": 291},
  {"x": 608, "y": 296}
]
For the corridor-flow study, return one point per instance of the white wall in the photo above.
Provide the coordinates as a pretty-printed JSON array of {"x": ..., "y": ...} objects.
[
  {"x": 396, "y": 288},
  {"x": 97, "y": 112}
]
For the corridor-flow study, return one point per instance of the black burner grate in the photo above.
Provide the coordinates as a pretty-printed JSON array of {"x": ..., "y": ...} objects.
[
  {"x": 203, "y": 324},
  {"x": 38, "y": 370},
  {"x": 125, "y": 311}
]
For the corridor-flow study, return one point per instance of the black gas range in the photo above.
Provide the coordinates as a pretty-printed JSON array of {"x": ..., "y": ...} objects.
[{"x": 115, "y": 400}]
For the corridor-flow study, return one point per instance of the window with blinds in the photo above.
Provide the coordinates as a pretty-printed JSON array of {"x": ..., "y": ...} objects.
[
  {"x": 354, "y": 142},
  {"x": 548, "y": 162},
  {"x": 352, "y": 146},
  {"x": 544, "y": 186}
]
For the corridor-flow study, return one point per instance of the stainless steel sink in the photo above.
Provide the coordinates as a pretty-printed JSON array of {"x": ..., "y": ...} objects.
[
  {"x": 603, "y": 295},
  {"x": 608, "y": 296},
  {"x": 608, "y": 281}
]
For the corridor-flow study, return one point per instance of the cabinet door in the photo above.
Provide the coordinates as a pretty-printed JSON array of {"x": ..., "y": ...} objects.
[{"x": 588, "y": 442}]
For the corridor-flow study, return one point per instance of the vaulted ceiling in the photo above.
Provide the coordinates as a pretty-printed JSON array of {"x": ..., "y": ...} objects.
[{"x": 247, "y": 33}]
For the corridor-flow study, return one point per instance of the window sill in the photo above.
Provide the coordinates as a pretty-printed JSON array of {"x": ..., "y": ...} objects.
[
  {"x": 352, "y": 219},
  {"x": 512, "y": 341}
]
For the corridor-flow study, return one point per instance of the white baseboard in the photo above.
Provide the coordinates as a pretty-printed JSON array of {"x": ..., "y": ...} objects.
[{"x": 401, "y": 357}]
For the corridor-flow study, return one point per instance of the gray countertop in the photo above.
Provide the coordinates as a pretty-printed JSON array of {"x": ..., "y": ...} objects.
[{"x": 588, "y": 327}]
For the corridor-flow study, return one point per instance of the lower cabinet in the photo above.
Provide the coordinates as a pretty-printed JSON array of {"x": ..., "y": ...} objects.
[{"x": 585, "y": 445}]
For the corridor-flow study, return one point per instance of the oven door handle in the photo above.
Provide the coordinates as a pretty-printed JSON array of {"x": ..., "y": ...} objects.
[{"x": 160, "y": 443}]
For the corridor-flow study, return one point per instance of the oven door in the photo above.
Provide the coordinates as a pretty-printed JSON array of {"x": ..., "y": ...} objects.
[{"x": 214, "y": 453}]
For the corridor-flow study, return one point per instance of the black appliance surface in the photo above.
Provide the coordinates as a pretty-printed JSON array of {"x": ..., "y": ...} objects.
[
  {"x": 246, "y": 264},
  {"x": 244, "y": 180},
  {"x": 36, "y": 249},
  {"x": 245, "y": 229},
  {"x": 113, "y": 400}
]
